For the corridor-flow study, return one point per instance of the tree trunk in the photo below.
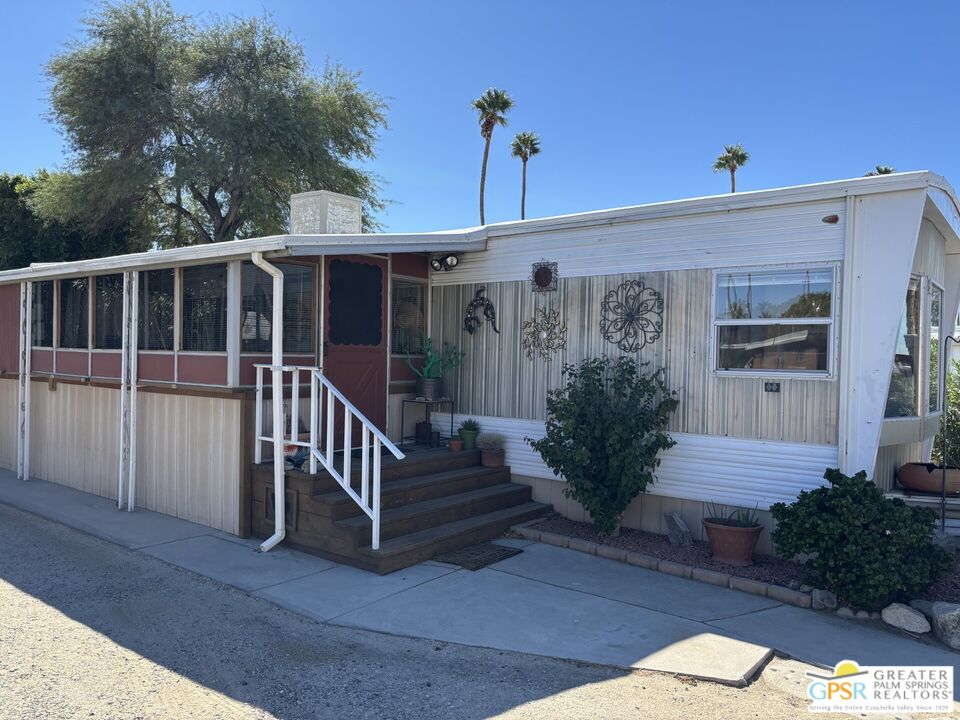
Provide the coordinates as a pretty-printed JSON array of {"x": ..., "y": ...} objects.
[
  {"x": 483, "y": 173},
  {"x": 523, "y": 193},
  {"x": 733, "y": 180}
]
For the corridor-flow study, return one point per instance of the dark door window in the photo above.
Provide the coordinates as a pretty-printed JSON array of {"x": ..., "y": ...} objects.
[{"x": 356, "y": 303}]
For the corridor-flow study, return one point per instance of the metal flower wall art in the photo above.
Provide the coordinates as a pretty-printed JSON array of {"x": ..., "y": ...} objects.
[
  {"x": 472, "y": 320},
  {"x": 544, "y": 334},
  {"x": 632, "y": 316}
]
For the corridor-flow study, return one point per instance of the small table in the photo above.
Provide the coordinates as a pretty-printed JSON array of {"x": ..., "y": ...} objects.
[{"x": 428, "y": 406}]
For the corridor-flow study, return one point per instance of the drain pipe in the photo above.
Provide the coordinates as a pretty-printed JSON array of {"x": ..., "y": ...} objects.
[{"x": 276, "y": 333}]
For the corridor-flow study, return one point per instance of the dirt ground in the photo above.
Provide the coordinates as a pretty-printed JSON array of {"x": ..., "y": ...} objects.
[{"x": 91, "y": 630}]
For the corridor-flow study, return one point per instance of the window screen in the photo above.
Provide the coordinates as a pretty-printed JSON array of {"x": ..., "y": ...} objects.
[
  {"x": 256, "y": 308},
  {"x": 902, "y": 397},
  {"x": 41, "y": 328},
  {"x": 205, "y": 308},
  {"x": 407, "y": 328},
  {"x": 778, "y": 321},
  {"x": 356, "y": 303},
  {"x": 74, "y": 313},
  {"x": 156, "y": 310},
  {"x": 108, "y": 317}
]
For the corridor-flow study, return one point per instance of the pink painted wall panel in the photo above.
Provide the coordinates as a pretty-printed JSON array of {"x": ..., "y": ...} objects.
[
  {"x": 40, "y": 361},
  {"x": 9, "y": 328},
  {"x": 203, "y": 369},
  {"x": 105, "y": 365},
  {"x": 152, "y": 366},
  {"x": 72, "y": 362}
]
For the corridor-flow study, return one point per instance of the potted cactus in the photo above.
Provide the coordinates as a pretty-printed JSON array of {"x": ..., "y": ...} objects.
[
  {"x": 469, "y": 429},
  {"x": 491, "y": 449},
  {"x": 433, "y": 366},
  {"x": 734, "y": 536}
]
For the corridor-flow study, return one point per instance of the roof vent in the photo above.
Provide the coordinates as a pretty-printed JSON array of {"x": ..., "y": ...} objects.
[{"x": 322, "y": 212}]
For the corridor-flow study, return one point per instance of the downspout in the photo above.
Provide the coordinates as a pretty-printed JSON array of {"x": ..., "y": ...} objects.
[{"x": 276, "y": 370}]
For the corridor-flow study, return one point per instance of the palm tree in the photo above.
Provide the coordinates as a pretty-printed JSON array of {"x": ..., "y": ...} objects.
[
  {"x": 732, "y": 157},
  {"x": 491, "y": 107},
  {"x": 880, "y": 170},
  {"x": 524, "y": 146}
]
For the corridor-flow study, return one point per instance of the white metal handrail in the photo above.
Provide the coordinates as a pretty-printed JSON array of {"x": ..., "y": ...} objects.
[{"x": 322, "y": 441}]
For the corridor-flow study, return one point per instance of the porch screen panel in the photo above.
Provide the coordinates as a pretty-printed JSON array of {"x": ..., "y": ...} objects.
[
  {"x": 256, "y": 308},
  {"x": 205, "y": 308},
  {"x": 74, "y": 313},
  {"x": 935, "y": 315},
  {"x": 108, "y": 312},
  {"x": 407, "y": 328},
  {"x": 42, "y": 314},
  {"x": 156, "y": 315},
  {"x": 903, "y": 395}
]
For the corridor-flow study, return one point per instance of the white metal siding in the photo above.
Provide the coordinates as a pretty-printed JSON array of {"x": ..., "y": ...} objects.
[
  {"x": 750, "y": 473},
  {"x": 771, "y": 235}
]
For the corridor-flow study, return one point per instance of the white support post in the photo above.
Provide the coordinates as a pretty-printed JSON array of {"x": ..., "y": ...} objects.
[
  {"x": 124, "y": 375},
  {"x": 258, "y": 425},
  {"x": 134, "y": 356},
  {"x": 314, "y": 420},
  {"x": 234, "y": 300},
  {"x": 295, "y": 407},
  {"x": 23, "y": 390}
]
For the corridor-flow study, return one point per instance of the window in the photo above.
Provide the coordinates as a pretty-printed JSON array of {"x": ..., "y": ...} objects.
[
  {"x": 74, "y": 311},
  {"x": 155, "y": 329},
  {"x": 774, "y": 321},
  {"x": 205, "y": 308},
  {"x": 256, "y": 308},
  {"x": 935, "y": 318},
  {"x": 356, "y": 303},
  {"x": 41, "y": 314},
  {"x": 406, "y": 331},
  {"x": 903, "y": 395},
  {"x": 108, "y": 312}
]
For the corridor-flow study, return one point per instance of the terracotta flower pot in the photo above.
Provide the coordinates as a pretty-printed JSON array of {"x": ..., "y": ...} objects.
[
  {"x": 928, "y": 478},
  {"x": 731, "y": 544},
  {"x": 455, "y": 444},
  {"x": 491, "y": 458}
]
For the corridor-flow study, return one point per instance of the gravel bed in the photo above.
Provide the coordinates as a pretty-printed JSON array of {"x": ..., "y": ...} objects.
[
  {"x": 765, "y": 568},
  {"x": 948, "y": 587}
]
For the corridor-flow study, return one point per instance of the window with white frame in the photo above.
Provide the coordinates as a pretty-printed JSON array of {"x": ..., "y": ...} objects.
[
  {"x": 903, "y": 396},
  {"x": 256, "y": 308},
  {"x": 205, "y": 308},
  {"x": 774, "y": 321},
  {"x": 156, "y": 315},
  {"x": 74, "y": 313},
  {"x": 935, "y": 320},
  {"x": 108, "y": 312},
  {"x": 41, "y": 315}
]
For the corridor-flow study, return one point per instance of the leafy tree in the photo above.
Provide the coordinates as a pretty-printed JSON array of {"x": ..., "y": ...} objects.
[
  {"x": 880, "y": 170},
  {"x": 605, "y": 430},
  {"x": 732, "y": 158},
  {"x": 868, "y": 549},
  {"x": 212, "y": 126},
  {"x": 524, "y": 146},
  {"x": 491, "y": 108},
  {"x": 25, "y": 238}
]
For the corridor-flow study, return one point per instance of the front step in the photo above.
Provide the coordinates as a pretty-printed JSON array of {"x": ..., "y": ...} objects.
[
  {"x": 413, "y": 518},
  {"x": 432, "y": 501}
]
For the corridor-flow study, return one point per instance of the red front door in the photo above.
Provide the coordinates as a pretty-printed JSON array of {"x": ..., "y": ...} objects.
[{"x": 355, "y": 333}]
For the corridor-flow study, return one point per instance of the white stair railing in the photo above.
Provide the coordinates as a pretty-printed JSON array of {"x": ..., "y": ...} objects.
[{"x": 321, "y": 444}]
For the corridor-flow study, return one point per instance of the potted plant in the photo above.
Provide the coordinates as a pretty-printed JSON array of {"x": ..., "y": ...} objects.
[
  {"x": 491, "y": 449},
  {"x": 469, "y": 429},
  {"x": 732, "y": 537},
  {"x": 433, "y": 366},
  {"x": 455, "y": 444}
]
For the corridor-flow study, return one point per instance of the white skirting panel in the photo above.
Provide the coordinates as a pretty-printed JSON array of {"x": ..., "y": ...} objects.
[{"x": 710, "y": 468}]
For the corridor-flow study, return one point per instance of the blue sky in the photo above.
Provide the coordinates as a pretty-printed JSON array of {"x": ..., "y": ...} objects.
[{"x": 632, "y": 100}]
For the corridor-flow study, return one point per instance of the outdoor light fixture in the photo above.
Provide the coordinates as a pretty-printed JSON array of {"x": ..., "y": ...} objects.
[
  {"x": 447, "y": 262},
  {"x": 830, "y": 219}
]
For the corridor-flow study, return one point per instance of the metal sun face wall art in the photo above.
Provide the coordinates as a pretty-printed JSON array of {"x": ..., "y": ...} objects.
[
  {"x": 472, "y": 321},
  {"x": 632, "y": 316},
  {"x": 544, "y": 334}
]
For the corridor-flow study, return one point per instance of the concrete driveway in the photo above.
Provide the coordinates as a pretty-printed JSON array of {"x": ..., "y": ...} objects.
[{"x": 546, "y": 601}]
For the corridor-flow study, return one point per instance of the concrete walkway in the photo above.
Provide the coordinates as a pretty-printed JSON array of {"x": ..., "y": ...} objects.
[{"x": 546, "y": 601}]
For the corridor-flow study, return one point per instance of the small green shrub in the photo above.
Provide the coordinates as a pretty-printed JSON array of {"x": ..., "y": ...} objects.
[
  {"x": 470, "y": 425},
  {"x": 738, "y": 517},
  {"x": 490, "y": 441},
  {"x": 867, "y": 549},
  {"x": 605, "y": 428}
]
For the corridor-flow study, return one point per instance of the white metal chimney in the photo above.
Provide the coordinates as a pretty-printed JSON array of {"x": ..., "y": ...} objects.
[{"x": 322, "y": 212}]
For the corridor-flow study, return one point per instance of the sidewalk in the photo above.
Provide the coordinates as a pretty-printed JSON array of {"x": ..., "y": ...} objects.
[{"x": 546, "y": 601}]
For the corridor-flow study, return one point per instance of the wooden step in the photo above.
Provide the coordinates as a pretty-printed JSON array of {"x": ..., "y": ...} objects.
[
  {"x": 413, "y": 518},
  {"x": 417, "y": 488},
  {"x": 416, "y": 547}
]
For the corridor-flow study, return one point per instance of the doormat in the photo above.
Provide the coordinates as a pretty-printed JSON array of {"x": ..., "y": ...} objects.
[{"x": 478, "y": 556}]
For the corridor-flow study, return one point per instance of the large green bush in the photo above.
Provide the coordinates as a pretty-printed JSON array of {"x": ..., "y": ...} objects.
[
  {"x": 605, "y": 428},
  {"x": 867, "y": 549}
]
